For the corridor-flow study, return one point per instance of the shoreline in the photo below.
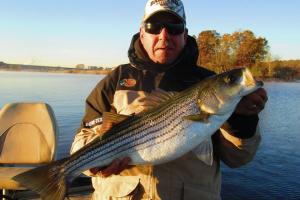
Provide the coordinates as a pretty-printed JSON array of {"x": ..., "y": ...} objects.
[
  {"x": 105, "y": 72},
  {"x": 65, "y": 71}
]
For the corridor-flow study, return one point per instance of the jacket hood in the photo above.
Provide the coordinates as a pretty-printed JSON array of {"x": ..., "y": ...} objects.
[{"x": 139, "y": 59}]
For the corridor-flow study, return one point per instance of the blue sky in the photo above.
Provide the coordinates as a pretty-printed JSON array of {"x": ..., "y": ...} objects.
[{"x": 98, "y": 32}]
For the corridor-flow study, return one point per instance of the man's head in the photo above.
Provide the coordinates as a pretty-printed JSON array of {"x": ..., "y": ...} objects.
[{"x": 163, "y": 33}]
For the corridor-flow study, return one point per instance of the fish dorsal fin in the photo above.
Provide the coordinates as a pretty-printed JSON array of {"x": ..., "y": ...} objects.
[
  {"x": 156, "y": 97},
  {"x": 110, "y": 119},
  {"x": 162, "y": 94},
  {"x": 202, "y": 117}
]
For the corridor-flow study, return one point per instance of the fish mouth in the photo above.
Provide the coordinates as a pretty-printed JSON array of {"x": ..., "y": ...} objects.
[
  {"x": 250, "y": 83},
  {"x": 251, "y": 88}
]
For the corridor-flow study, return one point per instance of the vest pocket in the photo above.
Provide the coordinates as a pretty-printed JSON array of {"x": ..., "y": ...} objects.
[{"x": 116, "y": 187}]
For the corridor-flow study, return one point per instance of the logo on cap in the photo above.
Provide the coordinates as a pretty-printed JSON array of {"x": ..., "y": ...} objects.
[
  {"x": 164, "y": 2},
  {"x": 171, "y": 6}
]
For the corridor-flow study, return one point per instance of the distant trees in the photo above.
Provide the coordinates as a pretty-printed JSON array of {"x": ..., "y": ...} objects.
[
  {"x": 222, "y": 52},
  {"x": 281, "y": 69},
  {"x": 285, "y": 73}
]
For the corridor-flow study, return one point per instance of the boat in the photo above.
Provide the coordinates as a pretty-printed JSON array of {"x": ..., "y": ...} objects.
[{"x": 28, "y": 139}]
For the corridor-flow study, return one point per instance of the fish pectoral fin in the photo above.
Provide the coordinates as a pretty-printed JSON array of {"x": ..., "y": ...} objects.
[{"x": 202, "y": 117}]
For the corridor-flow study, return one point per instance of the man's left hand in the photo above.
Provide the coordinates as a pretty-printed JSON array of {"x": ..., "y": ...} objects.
[{"x": 252, "y": 103}]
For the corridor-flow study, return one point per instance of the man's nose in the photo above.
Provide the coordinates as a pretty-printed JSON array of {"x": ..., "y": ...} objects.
[{"x": 164, "y": 34}]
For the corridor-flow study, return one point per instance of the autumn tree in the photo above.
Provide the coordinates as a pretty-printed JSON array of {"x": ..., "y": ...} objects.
[
  {"x": 249, "y": 49},
  {"x": 208, "y": 44},
  {"x": 220, "y": 53}
]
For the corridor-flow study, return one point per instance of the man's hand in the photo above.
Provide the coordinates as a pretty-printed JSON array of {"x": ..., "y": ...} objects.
[
  {"x": 253, "y": 103},
  {"x": 114, "y": 168}
]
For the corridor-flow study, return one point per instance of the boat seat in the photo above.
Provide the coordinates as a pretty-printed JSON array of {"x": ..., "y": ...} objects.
[{"x": 28, "y": 138}]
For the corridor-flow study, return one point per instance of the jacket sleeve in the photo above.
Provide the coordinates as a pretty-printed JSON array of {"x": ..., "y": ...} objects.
[{"x": 238, "y": 140}]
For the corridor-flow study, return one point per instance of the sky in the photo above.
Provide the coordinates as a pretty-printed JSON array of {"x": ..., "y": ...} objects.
[{"x": 98, "y": 32}]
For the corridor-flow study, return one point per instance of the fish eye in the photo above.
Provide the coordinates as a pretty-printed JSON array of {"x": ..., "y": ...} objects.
[{"x": 229, "y": 79}]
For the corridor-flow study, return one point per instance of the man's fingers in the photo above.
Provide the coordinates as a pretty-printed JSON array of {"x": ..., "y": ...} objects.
[
  {"x": 95, "y": 170},
  {"x": 111, "y": 169},
  {"x": 258, "y": 99},
  {"x": 252, "y": 103},
  {"x": 123, "y": 165},
  {"x": 116, "y": 167}
]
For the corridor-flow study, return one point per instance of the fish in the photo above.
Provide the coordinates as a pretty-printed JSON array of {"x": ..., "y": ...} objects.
[{"x": 161, "y": 134}]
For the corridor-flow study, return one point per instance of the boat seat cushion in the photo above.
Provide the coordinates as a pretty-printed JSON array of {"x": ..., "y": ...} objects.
[
  {"x": 24, "y": 143},
  {"x": 6, "y": 175}
]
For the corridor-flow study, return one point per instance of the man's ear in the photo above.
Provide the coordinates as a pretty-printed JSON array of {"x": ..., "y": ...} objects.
[
  {"x": 142, "y": 35},
  {"x": 141, "y": 32},
  {"x": 186, "y": 31}
]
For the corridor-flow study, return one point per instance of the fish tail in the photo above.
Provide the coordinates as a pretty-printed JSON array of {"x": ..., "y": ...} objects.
[{"x": 49, "y": 180}]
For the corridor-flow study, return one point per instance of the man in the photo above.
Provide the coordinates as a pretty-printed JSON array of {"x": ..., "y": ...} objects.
[{"x": 163, "y": 56}]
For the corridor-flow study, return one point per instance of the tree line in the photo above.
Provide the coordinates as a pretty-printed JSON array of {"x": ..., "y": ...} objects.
[
  {"x": 221, "y": 53},
  {"x": 242, "y": 48}
]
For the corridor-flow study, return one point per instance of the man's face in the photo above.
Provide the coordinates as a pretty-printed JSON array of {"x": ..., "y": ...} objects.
[{"x": 163, "y": 47}]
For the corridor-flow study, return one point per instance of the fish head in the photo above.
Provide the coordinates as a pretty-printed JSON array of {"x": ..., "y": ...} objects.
[
  {"x": 224, "y": 91},
  {"x": 237, "y": 82}
]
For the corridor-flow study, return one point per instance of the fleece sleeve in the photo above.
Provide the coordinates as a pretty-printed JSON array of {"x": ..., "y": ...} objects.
[{"x": 238, "y": 140}]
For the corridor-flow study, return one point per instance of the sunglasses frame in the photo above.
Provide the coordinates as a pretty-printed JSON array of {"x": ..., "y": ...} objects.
[{"x": 156, "y": 27}]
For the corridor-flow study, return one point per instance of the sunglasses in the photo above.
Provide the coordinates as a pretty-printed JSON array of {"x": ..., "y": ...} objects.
[{"x": 156, "y": 27}]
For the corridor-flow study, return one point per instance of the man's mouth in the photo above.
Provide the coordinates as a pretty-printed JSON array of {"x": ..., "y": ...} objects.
[{"x": 164, "y": 48}]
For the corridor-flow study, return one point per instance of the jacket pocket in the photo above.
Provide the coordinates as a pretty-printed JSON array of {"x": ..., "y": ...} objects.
[{"x": 115, "y": 187}]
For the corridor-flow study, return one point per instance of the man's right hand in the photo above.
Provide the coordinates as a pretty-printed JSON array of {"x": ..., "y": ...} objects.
[{"x": 114, "y": 168}]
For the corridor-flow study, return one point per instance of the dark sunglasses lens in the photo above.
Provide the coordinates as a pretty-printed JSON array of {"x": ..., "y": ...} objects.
[
  {"x": 155, "y": 28},
  {"x": 175, "y": 29}
]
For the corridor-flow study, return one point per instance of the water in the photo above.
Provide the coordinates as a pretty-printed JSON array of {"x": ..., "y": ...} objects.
[
  {"x": 273, "y": 174},
  {"x": 66, "y": 93}
]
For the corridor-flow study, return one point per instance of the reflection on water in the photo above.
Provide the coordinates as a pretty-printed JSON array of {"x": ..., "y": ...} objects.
[{"x": 273, "y": 174}]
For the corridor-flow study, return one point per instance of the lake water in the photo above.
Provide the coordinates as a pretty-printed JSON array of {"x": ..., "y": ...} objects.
[{"x": 273, "y": 174}]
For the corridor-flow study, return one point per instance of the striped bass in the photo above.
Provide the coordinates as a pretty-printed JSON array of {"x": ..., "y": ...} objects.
[{"x": 161, "y": 134}]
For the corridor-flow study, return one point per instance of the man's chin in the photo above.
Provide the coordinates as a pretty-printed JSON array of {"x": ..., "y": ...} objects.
[
  {"x": 164, "y": 58},
  {"x": 164, "y": 61}
]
